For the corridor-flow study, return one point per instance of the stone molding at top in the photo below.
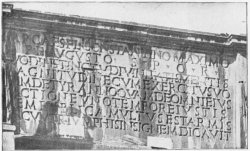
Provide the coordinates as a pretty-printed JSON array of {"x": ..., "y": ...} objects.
[{"x": 133, "y": 32}]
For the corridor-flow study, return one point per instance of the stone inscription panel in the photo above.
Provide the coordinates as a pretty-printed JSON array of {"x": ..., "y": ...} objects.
[{"x": 90, "y": 84}]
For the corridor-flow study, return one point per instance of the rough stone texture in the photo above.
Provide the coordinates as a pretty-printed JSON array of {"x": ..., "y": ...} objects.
[{"x": 112, "y": 88}]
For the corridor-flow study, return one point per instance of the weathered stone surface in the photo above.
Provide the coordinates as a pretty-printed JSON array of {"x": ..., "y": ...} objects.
[{"x": 122, "y": 88}]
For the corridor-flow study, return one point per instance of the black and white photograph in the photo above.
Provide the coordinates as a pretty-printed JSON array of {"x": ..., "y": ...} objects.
[{"x": 125, "y": 75}]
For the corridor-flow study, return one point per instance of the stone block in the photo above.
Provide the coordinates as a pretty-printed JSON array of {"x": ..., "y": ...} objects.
[{"x": 8, "y": 137}]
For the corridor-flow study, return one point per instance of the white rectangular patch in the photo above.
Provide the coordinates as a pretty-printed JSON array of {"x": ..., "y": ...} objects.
[{"x": 159, "y": 142}]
